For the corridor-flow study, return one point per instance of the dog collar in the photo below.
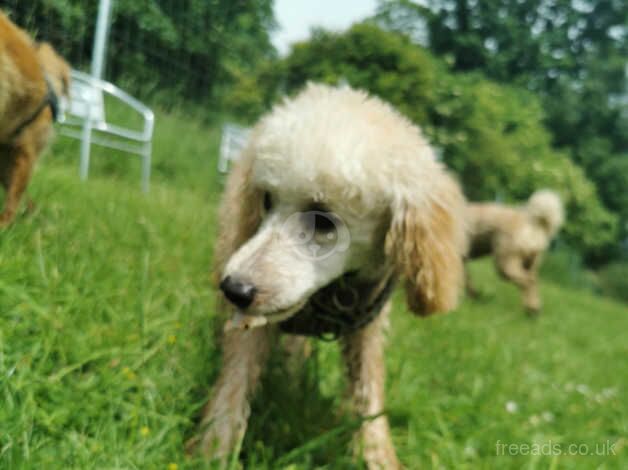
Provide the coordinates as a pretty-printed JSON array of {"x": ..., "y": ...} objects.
[
  {"x": 340, "y": 308},
  {"x": 50, "y": 100},
  {"x": 53, "y": 99}
]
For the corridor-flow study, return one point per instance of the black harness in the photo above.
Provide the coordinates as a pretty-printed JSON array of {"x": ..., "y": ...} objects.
[
  {"x": 50, "y": 100},
  {"x": 340, "y": 308}
]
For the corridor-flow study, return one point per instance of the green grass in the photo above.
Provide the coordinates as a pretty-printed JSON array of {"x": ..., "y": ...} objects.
[{"x": 107, "y": 343}]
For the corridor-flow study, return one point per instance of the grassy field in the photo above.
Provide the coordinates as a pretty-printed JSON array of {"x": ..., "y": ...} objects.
[{"x": 107, "y": 344}]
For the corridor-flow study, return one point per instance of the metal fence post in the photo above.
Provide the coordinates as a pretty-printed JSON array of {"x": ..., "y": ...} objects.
[
  {"x": 98, "y": 63},
  {"x": 86, "y": 141},
  {"x": 100, "y": 38}
]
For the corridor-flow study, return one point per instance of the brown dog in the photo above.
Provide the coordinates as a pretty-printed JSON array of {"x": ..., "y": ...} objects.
[{"x": 32, "y": 77}]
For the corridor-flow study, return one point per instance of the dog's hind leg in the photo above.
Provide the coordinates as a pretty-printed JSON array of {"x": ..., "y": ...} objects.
[
  {"x": 468, "y": 282},
  {"x": 226, "y": 414},
  {"x": 16, "y": 176},
  {"x": 363, "y": 352}
]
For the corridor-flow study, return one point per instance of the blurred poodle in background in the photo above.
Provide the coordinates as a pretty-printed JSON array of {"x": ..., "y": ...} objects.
[{"x": 517, "y": 237}]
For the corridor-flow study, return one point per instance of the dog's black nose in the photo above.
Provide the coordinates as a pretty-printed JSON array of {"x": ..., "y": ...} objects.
[{"x": 239, "y": 293}]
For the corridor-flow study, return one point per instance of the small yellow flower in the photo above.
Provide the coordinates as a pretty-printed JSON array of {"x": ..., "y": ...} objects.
[
  {"x": 144, "y": 431},
  {"x": 128, "y": 373},
  {"x": 173, "y": 466},
  {"x": 172, "y": 339}
]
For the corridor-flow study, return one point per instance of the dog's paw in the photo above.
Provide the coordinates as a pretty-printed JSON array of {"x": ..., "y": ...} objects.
[
  {"x": 191, "y": 446},
  {"x": 216, "y": 442},
  {"x": 5, "y": 220},
  {"x": 532, "y": 305},
  {"x": 381, "y": 459},
  {"x": 30, "y": 206},
  {"x": 533, "y": 311},
  {"x": 374, "y": 445}
]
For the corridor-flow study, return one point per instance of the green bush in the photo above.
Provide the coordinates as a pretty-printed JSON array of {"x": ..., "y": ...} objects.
[
  {"x": 491, "y": 135},
  {"x": 564, "y": 266},
  {"x": 613, "y": 280}
]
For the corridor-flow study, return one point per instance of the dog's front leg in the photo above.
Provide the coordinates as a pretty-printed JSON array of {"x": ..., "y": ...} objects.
[
  {"x": 531, "y": 297},
  {"x": 15, "y": 178},
  {"x": 512, "y": 268},
  {"x": 363, "y": 352},
  {"x": 226, "y": 414}
]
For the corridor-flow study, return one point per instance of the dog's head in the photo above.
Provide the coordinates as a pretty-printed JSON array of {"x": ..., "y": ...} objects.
[
  {"x": 333, "y": 182},
  {"x": 545, "y": 208},
  {"x": 56, "y": 68}
]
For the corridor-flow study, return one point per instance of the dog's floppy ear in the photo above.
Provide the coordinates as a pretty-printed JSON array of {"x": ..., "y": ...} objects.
[
  {"x": 425, "y": 243},
  {"x": 240, "y": 212}
]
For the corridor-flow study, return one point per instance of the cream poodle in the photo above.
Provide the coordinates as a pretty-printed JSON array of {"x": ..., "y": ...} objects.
[
  {"x": 335, "y": 197},
  {"x": 517, "y": 237}
]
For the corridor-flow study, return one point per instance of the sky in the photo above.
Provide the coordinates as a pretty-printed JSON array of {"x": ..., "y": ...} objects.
[{"x": 296, "y": 17}]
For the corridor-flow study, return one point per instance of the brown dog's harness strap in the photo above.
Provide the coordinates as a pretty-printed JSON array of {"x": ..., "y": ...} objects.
[
  {"x": 50, "y": 100},
  {"x": 340, "y": 308}
]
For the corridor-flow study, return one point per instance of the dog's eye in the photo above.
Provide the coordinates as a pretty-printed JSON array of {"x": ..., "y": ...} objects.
[
  {"x": 324, "y": 223},
  {"x": 268, "y": 201}
]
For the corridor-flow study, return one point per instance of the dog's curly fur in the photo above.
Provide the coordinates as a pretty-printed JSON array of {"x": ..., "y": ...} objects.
[
  {"x": 517, "y": 237},
  {"x": 338, "y": 150},
  {"x": 24, "y": 65}
]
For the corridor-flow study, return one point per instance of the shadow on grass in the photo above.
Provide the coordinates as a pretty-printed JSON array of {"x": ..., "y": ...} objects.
[{"x": 294, "y": 422}]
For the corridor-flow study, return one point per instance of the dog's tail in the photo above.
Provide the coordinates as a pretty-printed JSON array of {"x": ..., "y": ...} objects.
[{"x": 546, "y": 210}]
